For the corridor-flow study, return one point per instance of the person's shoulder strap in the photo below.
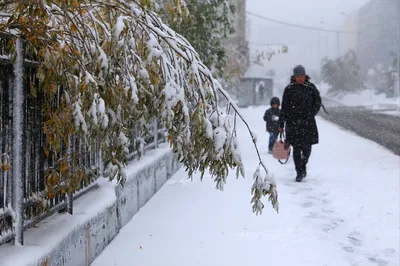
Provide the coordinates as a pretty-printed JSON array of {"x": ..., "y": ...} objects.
[{"x": 323, "y": 108}]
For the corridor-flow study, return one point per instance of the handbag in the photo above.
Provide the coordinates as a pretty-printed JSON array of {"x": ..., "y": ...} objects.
[{"x": 279, "y": 151}]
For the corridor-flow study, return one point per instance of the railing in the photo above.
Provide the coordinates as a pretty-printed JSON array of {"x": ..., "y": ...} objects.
[
  {"x": 141, "y": 143},
  {"x": 34, "y": 164}
]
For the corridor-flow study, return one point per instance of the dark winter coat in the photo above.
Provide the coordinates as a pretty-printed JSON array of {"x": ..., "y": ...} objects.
[
  {"x": 269, "y": 118},
  {"x": 300, "y": 105}
]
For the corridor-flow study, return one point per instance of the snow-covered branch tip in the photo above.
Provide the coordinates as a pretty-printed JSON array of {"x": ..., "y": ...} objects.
[{"x": 120, "y": 67}]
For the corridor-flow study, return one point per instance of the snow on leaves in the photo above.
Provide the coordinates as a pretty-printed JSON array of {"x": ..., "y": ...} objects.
[
  {"x": 263, "y": 186},
  {"x": 80, "y": 122},
  {"x": 119, "y": 68}
]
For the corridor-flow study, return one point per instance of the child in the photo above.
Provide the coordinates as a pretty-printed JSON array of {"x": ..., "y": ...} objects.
[{"x": 271, "y": 116}]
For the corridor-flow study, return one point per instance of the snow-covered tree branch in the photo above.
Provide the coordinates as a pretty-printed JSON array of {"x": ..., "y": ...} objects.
[{"x": 114, "y": 66}]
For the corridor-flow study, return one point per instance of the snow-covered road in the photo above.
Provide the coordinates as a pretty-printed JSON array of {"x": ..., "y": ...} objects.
[{"x": 346, "y": 212}]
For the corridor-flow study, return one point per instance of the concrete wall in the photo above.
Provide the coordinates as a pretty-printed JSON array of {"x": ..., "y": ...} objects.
[{"x": 98, "y": 217}]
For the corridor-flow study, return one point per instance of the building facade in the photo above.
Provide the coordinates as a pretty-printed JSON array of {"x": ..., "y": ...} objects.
[
  {"x": 378, "y": 22},
  {"x": 349, "y": 41}
]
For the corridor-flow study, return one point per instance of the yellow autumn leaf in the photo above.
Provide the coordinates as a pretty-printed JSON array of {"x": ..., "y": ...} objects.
[
  {"x": 51, "y": 195},
  {"x": 64, "y": 168},
  {"x": 46, "y": 151},
  {"x": 83, "y": 86},
  {"x": 73, "y": 28},
  {"x": 169, "y": 7},
  {"x": 154, "y": 79}
]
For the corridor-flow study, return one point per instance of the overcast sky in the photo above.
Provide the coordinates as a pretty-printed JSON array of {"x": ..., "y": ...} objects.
[
  {"x": 305, "y": 47},
  {"x": 306, "y": 12}
]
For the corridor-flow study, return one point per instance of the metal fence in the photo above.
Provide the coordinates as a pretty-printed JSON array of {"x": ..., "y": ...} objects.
[{"x": 34, "y": 163}]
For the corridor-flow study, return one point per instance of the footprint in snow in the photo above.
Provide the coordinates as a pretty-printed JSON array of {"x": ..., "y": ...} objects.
[
  {"x": 307, "y": 204},
  {"x": 325, "y": 202},
  {"x": 305, "y": 189},
  {"x": 348, "y": 249},
  {"x": 389, "y": 251},
  {"x": 324, "y": 210},
  {"x": 378, "y": 261},
  {"x": 355, "y": 238},
  {"x": 179, "y": 182},
  {"x": 316, "y": 215},
  {"x": 332, "y": 225}
]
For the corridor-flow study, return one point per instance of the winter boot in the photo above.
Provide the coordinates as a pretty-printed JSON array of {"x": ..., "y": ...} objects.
[
  {"x": 304, "y": 171},
  {"x": 304, "y": 162},
  {"x": 300, "y": 175}
]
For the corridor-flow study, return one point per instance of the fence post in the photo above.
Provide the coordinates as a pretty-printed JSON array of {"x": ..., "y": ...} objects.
[
  {"x": 99, "y": 157},
  {"x": 70, "y": 200},
  {"x": 69, "y": 197},
  {"x": 139, "y": 137},
  {"x": 142, "y": 145},
  {"x": 156, "y": 133},
  {"x": 18, "y": 199}
]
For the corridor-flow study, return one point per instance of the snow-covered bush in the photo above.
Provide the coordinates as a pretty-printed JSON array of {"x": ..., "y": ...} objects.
[
  {"x": 342, "y": 74},
  {"x": 387, "y": 81},
  {"x": 118, "y": 67}
]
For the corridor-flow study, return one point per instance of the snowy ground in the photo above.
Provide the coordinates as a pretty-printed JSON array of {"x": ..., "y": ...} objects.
[
  {"x": 392, "y": 112},
  {"x": 367, "y": 99},
  {"x": 345, "y": 213}
]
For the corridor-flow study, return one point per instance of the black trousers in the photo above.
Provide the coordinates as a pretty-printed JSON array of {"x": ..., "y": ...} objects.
[{"x": 301, "y": 154}]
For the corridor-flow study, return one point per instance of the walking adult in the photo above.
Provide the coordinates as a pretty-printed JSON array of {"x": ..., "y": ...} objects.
[{"x": 301, "y": 102}]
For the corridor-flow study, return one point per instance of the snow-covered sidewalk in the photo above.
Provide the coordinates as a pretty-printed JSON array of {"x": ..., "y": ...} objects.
[{"x": 346, "y": 212}]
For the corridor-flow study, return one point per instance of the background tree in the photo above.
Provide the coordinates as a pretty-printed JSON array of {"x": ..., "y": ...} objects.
[
  {"x": 205, "y": 25},
  {"x": 342, "y": 74},
  {"x": 387, "y": 79}
]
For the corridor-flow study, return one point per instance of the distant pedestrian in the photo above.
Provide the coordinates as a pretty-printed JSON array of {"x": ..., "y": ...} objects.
[
  {"x": 271, "y": 117},
  {"x": 301, "y": 102}
]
